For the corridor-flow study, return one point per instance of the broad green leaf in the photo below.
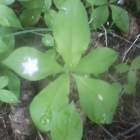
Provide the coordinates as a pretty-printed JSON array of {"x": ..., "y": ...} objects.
[
  {"x": 98, "y": 2},
  {"x": 121, "y": 68},
  {"x": 59, "y": 3},
  {"x": 120, "y": 18},
  {"x": 3, "y": 81},
  {"x": 51, "y": 54},
  {"x": 47, "y": 5},
  {"x": 98, "y": 99},
  {"x": 3, "y": 47},
  {"x": 6, "y": 2},
  {"x": 14, "y": 82},
  {"x": 4, "y": 50},
  {"x": 8, "y": 97},
  {"x": 8, "y": 40},
  {"x": 130, "y": 87},
  {"x": 48, "y": 40},
  {"x": 8, "y": 17},
  {"x": 97, "y": 61},
  {"x": 87, "y": 4},
  {"x": 51, "y": 99},
  {"x": 34, "y": 4},
  {"x": 132, "y": 78},
  {"x": 136, "y": 63},
  {"x": 111, "y": 1},
  {"x": 82, "y": 74},
  {"x": 67, "y": 124},
  {"x": 7, "y": 43},
  {"x": 32, "y": 64},
  {"x": 99, "y": 16},
  {"x": 117, "y": 86},
  {"x": 30, "y": 16},
  {"x": 71, "y": 32},
  {"x": 49, "y": 17}
]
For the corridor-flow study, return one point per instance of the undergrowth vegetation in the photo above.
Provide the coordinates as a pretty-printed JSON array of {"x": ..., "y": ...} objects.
[{"x": 68, "y": 26}]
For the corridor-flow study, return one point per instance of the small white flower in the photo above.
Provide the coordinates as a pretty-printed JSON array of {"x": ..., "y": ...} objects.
[{"x": 30, "y": 67}]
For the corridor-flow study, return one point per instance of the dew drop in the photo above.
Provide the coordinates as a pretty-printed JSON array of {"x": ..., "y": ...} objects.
[
  {"x": 12, "y": 100},
  {"x": 44, "y": 8},
  {"x": 46, "y": 117},
  {"x": 100, "y": 97},
  {"x": 64, "y": 9},
  {"x": 86, "y": 76},
  {"x": 32, "y": 17},
  {"x": 102, "y": 118},
  {"x": 43, "y": 122},
  {"x": 70, "y": 65},
  {"x": 48, "y": 42},
  {"x": 5, "y": 21}
]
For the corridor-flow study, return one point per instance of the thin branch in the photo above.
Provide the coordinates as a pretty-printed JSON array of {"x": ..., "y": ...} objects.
[
  {"x": 103, "y": 29},
  {"x": 115, "y": 35},
  {"x": 129, "y": 130},
  {"x": 28, "y": 31},
  {"x": 137, "y": 37},
  {"x": 105, "y": 35},
  {"x": 40, "y": 136},
  {"x": 108, "y": 132}
]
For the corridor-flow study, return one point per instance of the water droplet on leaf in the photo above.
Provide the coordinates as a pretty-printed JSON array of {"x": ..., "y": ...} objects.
[
  {"x": 52, "y": 56},
  {"x": 86, "y": 76},
  {"x": 102, "y": 118},
  {"x": 64, "y": 9},
  {"x": 48, "y": 42},
  {"x": 100, "y": 97},
  {"x": 46, "y": 117},
  {"x": 70, "y": 65}
]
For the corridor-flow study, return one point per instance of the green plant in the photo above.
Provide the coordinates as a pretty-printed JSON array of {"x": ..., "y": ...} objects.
[
  {"x": 6, "y": 95},
  {"x": 138, "y": 5},
  {"x": 33, "y": 10},
  {"x": 50, "y": 109},
  {"x": 132, "y": 79},
  {"x": 100, "y": 14},
  {"x": 8, "y": 78}
]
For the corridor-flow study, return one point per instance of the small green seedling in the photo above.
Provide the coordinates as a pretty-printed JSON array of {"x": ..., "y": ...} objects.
[
  {"x": 132, "y": 79},
  {"x": 100, "y": 14}
]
